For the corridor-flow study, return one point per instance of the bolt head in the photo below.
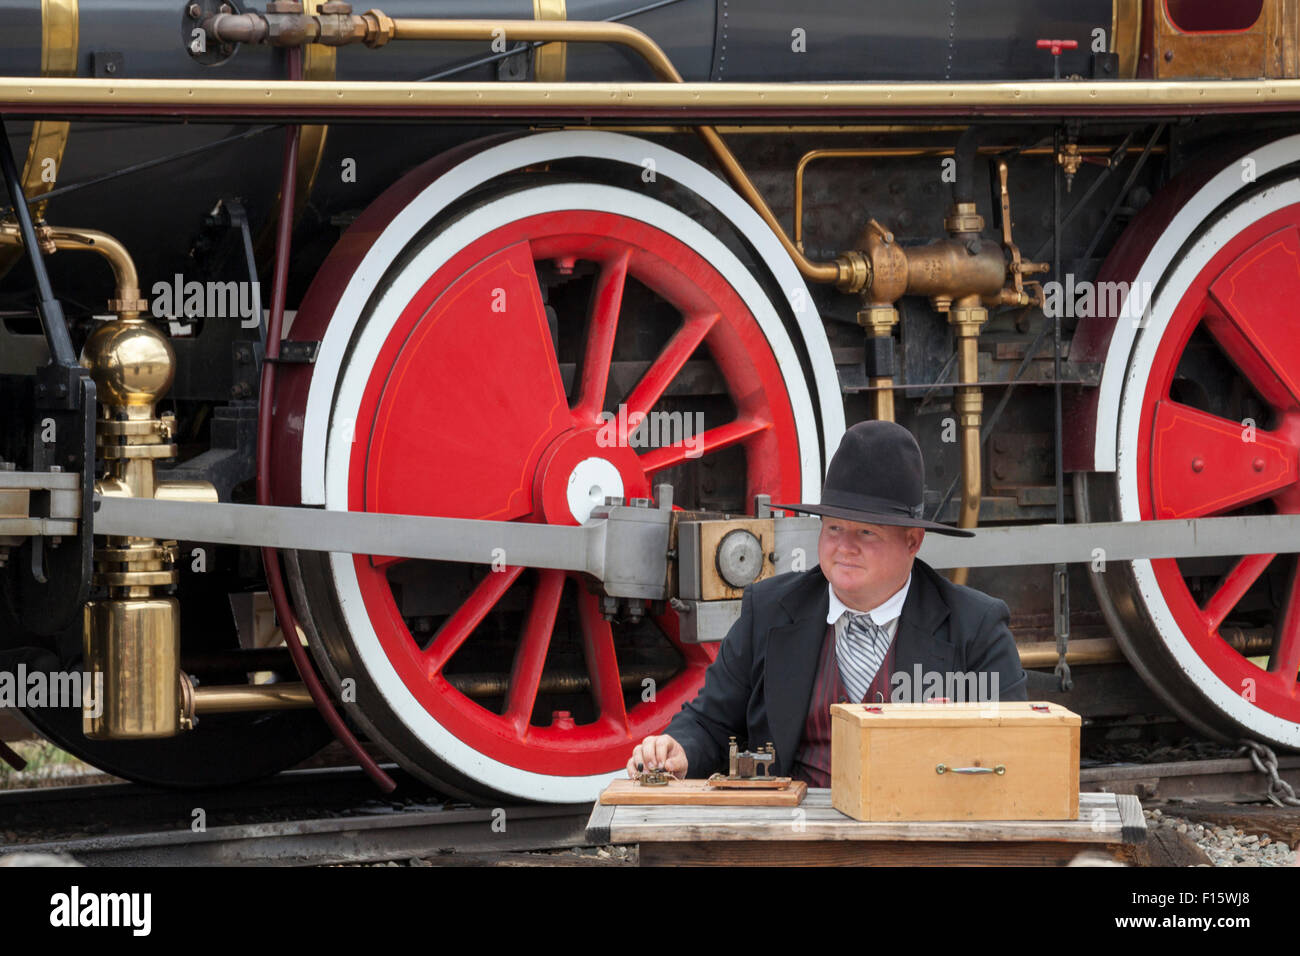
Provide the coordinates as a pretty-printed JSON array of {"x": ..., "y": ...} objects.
[
  {"x": 1258, "y": 464},
  {"x": 1198, "y": 465}
]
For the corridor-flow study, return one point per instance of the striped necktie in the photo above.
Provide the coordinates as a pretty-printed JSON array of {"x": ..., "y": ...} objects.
[{"x": 859, "y": 651}]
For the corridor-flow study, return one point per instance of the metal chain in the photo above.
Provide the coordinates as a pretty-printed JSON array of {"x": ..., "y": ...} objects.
[{"x": 1280, "y": 792}]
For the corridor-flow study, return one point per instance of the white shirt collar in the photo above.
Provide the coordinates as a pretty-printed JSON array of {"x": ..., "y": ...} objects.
[{"x": 880, "y": 615}]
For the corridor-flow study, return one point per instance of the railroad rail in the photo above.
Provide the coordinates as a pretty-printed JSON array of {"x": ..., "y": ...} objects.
[
  {"x": 325, "y": 817},
  {"x": 331, "y": 817}
]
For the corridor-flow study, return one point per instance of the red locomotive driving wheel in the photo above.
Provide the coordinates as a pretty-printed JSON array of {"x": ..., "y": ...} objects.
[
  {"x": 547, "y": 348},
  {"x": 473, "y": 352},
  {"x": 1202, "y": 463},
  {"x": 1210, "y": 426}
]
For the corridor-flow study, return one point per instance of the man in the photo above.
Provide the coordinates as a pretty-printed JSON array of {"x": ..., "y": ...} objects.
[{"x": 870, "y": 623}]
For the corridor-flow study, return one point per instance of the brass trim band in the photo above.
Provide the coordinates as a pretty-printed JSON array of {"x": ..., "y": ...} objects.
[
  {"x": 1126, "y": 35},
  {"x": 550, "y": 59}
]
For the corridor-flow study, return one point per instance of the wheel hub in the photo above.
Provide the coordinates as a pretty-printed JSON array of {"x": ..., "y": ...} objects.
[{"x": 579, "y": 471}]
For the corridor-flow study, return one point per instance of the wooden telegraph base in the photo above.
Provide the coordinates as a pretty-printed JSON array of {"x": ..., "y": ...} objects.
[{"x": 698, "y": 793}]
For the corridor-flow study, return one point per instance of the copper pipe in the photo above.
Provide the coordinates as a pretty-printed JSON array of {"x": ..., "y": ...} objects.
[
  {"x": 270, "y": 559},
  {"x": 240, "y": 698},
  {"x": 126, "y": 283},
  {"x": 900, "y": 152}
]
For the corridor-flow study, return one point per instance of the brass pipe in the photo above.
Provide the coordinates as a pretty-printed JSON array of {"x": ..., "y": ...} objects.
[
  {"x": 879, "y": 321},
  {"x": 240, "y": 698},
  {"x": 565, "y": 682},
  {"x": 967, "y": 315},
  {"x": 1249, "y": 642},
  {"x": 1092, "y": 650},
  {"x": 854, "y": 102},
  {"x": 126, "y": 300},
  {"x": 237, "y": 698}
]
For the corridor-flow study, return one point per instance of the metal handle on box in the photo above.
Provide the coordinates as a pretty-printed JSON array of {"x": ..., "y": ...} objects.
[{"x": 944, "y": 768}]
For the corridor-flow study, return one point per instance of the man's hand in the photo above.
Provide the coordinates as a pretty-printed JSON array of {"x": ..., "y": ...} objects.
[{"x": 655, "y": 753}]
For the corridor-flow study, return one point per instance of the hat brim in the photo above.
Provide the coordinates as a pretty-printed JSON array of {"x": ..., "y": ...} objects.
[{"x": 872, "y": 517}]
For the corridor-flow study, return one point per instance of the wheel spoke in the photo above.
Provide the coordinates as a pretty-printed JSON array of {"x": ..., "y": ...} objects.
[
  {"x": 1257, "y": 294},
  {"x": 428, "y": 437},
  {"x": 469, "y": 615},
  {"x": 1234, "y": 586},
  {"x": 1285, "y": 661},
  {"x": 697, "y": 446},
  {"x": 667, "y": 364},
  {"x": 530, "y": 658},
  {"x": 602, "y": 326},
  {"x": 1205, "y": 465},
  {"x": 602, "y": 663}
]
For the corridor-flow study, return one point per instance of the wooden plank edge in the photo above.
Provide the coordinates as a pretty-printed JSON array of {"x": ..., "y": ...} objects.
[
  {"x": 1133, "y": 825},
  {"x": 598, "y": 826}
]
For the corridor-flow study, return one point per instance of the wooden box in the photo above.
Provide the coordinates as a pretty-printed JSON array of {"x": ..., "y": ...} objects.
[{"x": 940, "y": 761}]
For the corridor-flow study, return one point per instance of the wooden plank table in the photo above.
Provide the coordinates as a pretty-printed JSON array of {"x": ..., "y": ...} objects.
[{"x": 816, "y": 834}]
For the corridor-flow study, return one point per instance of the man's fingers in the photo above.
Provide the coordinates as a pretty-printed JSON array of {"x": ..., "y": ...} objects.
[
  {"x": 647, "y": 749},
  {"x": 676, "y": 762},
  {"x": 659, "y": 752}
]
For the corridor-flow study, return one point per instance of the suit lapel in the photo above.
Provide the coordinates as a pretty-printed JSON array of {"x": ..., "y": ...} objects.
[
  {"x": 918, "y": 647},
  {"x": 793, "y": 649}
]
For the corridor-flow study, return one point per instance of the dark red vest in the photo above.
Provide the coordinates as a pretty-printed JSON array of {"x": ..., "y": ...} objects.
[{"x": 812, "y": 761}]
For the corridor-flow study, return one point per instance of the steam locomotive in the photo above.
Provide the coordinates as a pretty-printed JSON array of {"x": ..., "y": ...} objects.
[{"x": 399, "y": 263}]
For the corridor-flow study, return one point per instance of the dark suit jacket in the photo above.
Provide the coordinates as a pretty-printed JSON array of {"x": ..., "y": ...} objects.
[{"x": 759, "y": 687}]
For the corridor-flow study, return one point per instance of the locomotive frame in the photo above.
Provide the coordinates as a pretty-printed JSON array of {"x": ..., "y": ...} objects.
[{"x": 967, "y": 277}]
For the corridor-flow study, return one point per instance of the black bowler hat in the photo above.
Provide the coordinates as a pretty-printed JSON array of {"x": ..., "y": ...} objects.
[{"x": 876, "y": 476}]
